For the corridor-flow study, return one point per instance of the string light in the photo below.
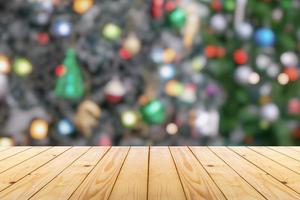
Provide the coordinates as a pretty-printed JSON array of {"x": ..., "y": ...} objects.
[
  {"x": 4, "y": 64},
  {"x": 254, "y": 78},
  {"x": 283, "y": 78},
  {"x": 62, "y": 28},
  {"x": 167, "y": 72},
  {"x": 65, "y": 127},
  {"x": 38, "y": 129},
  {"x": 172, "y": 129}
]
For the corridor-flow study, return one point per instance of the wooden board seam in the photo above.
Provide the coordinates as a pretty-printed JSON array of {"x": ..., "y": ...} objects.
[
  {"x": 266, "y": 171},
  {"x": 236, "y": 171},
  {"x": 177, "y": 173},
  {"x": 119, "y": 173},
  {"x": 276, "y": 160},
  {"x": 25, "y": 159}
]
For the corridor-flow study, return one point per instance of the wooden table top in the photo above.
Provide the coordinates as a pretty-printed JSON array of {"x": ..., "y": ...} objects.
[{"x": 149, "y": 173}]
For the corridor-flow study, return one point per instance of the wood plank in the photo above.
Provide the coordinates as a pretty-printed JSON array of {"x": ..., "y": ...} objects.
[
  {"x": 133, "y": 178},
  {"x": 164, "y": 181},
  {"x": 2, "y": 148},
  {"x": 196, "y": 182},
  {"x": 282, "y": 159},
  {"x": 229, "y": 182},
  {"x": 11, "y": 151},
  {"x": 33, "y": 182},
  {"x": 14, "y": 174},
  {"x": 268, "y": 186},
  {"x": 296, "y": 148},
  {"x": 20, "y": 157},
  {"x": 100, "y": 182},
  {"x": 62, "y": 186},
  {"x": 288, "y": 152},
  {"x": 282, "y": 174}
]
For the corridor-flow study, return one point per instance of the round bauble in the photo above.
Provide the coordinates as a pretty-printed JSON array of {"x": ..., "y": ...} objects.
[
  {"x": 269, "y": 112},
  {"x": 153, "y": 112},
  {"x": 218, "y": 23},
  {"x": 22, "y": 66},
  {"x": 264, "y": 37},
  {"x": 244, "y": 30},
  {"x": 177, "y": 18},
  {"x": 111, "y": 31},
  {"x": 242, "y": 74}
]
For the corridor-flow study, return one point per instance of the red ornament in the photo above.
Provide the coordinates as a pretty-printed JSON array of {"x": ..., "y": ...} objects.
[
  {"x": 216, "y": 5},
  {"x": 43, "y": 38},
  {"x": 170, "y": 5},
  {"x": 292, "y": 73},
  {"x": 294, "y": 106},
  {"x": 240, "y": 56},
  {"x": 124, "y": 54},
  {"x": 60, "y": 70},
  {"x": 210, "y": 51},
  {"x": 157, "y": 8}
]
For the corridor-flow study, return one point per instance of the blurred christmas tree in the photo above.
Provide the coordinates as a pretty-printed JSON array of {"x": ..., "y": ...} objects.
[{"x": 163, "y": 72}]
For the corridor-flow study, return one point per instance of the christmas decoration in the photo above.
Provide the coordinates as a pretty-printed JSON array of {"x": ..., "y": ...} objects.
[
  {"x": 70, "y": 84},
  {"x": 129, "y": 119},
  {"x": 166, "y": 72},
  {"x": 153, "y": 112},
  {"x": 177, "y": 18},
  {"x": 4, "y": 64},
  {"x": 111, "y": 31},
  {"x": 38, "y": 129},
  {"x": 82, "y": 6},
  {"x": 22, "y": 67},
  {"x": 264, "y": 37}
]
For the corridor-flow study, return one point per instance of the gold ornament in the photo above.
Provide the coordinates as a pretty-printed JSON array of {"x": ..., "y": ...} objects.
[
  {"x": 87, "y": 116},
  {"x": 132, "y": 44}
]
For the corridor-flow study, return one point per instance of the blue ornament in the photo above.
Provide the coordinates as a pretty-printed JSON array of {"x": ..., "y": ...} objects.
[
  {"x": 62, "y": 28},
  {"x": 65, "y": 127},
  {"x": 264, "y": 37}
]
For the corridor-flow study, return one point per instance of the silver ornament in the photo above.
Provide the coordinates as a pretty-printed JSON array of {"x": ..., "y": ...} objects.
[
  {"x": 218, "y": 23},
  {"x": 242, "y": 74},
  {"x": 269, "y": 112}
]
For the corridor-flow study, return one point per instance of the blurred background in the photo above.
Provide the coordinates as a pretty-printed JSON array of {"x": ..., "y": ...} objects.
[{"x": 154, "y": 72}]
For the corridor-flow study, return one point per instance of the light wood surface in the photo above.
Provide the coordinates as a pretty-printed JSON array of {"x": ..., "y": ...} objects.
[{"x": 149, "y": 173}]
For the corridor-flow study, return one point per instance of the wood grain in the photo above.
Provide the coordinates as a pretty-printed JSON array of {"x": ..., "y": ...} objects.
[
  {"x": 11, "y": 152},
  {"x": 62, "y": 186},
  {"x": 132, "y": 180},
  {"x": 16, "y": 173},
  {"x": 164, "y": 182},
  {"x": 282, "y": 159},
  {"x": 100, "y": 182},
  {"x": 150, "y": 173},
  {"x": 231, "y": 184},
  {"x": 282, "y": 174},
  {"x": 268, "y": 186},
  {"x": 196, "y": 182},
  {"x": 20, "y": 157},
  {"x": 33, "y": 182},
  {"x": 288, "y": 152}
]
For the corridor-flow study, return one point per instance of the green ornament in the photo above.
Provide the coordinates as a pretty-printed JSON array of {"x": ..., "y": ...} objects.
[
  {"x": 22, "y": 67},
  {"x": 177, "y": 18},
  {"x": 153, "y": 112},
  {"x": 111, "y": 31},
  {"x": 70, "y": 84},
  {"x": 229, "y": 5}
]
